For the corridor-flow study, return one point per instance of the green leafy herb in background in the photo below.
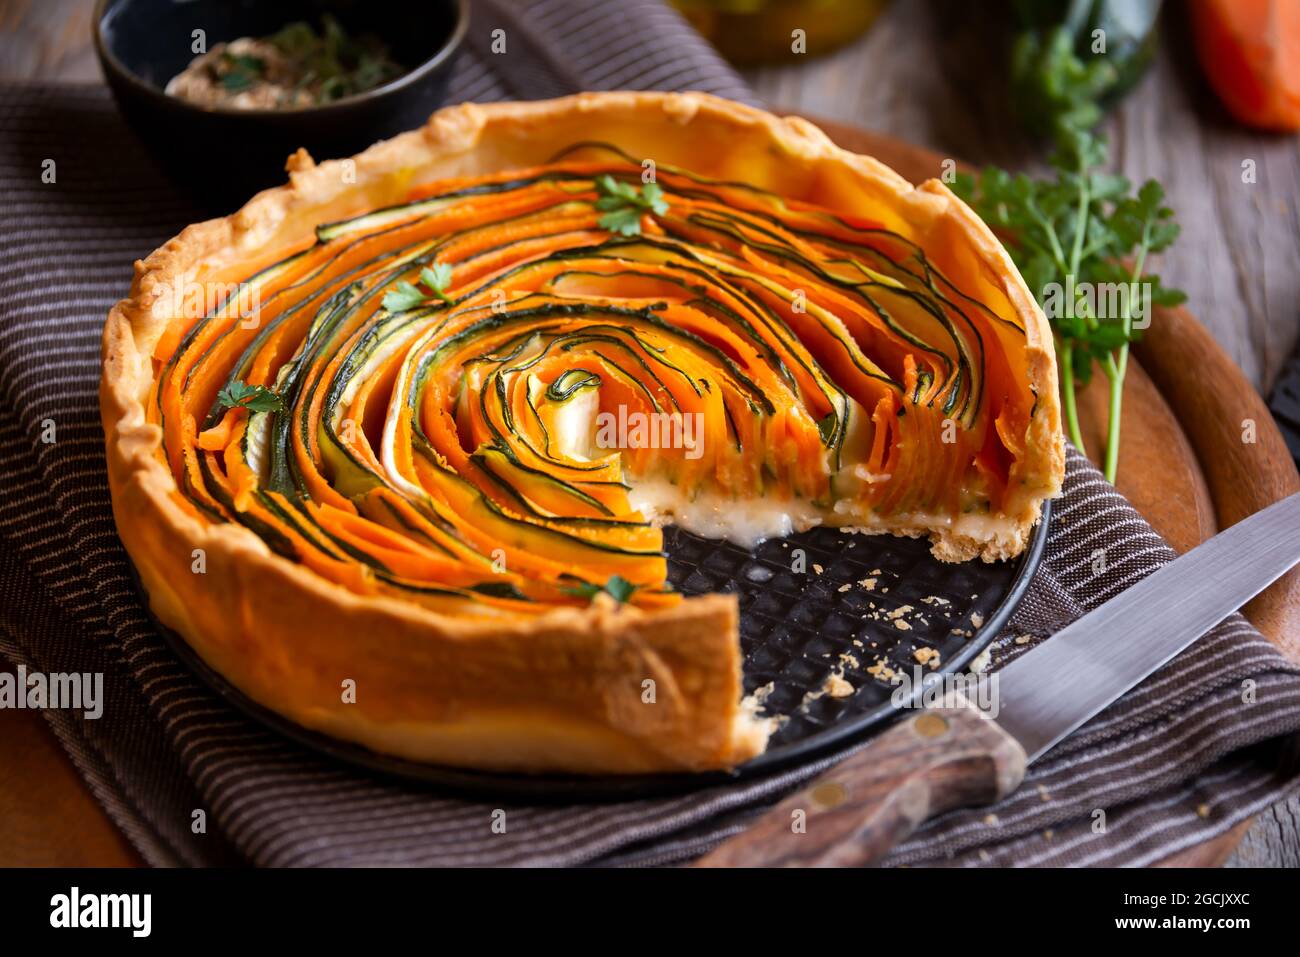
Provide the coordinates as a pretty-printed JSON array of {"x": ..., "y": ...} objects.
[
  {"x": 255, "y": 398},
  {"x": 622, "y": 203},
  {"x": 1072, "y": 58},
  {"x": 1081, "y": 227}
]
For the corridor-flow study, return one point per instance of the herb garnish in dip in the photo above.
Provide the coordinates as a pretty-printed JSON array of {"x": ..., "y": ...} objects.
[{"x": 294, "y": 67}]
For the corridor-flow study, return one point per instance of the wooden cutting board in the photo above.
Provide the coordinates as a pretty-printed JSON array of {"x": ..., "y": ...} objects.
[{"x": 1190, "y": 474}]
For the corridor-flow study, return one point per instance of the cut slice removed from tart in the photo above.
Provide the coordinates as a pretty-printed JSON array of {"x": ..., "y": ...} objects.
[{"x": 392, "y": 447}]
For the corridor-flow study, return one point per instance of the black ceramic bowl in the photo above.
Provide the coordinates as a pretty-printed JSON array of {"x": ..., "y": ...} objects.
[{"x": 224, "y": 155}]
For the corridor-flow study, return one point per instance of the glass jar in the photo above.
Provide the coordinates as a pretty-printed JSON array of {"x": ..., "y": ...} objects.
[{"x": 749, "y": 32}]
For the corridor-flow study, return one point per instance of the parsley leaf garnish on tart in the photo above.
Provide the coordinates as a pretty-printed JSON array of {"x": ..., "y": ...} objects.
[
  {"x": 255, "y": 398},
  {"x": 406, "y": 295},
  {"x": 622, "y": 203},
  {"x": 618, "y": 587},
  {"x": 436, "y": 279}
]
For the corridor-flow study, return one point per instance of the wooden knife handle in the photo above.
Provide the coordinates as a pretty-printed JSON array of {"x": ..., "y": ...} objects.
[{"x": 939, "y": 759}]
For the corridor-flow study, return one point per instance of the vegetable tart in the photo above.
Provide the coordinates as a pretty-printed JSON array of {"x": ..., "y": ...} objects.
[{"x": 392, "y": 446}]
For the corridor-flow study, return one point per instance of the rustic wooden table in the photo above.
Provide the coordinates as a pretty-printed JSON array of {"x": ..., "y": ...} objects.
[{"x": 929, "y": 72}]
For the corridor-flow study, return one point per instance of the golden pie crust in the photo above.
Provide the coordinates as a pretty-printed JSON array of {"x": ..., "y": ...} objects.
[{"x": 563, "y": 691}]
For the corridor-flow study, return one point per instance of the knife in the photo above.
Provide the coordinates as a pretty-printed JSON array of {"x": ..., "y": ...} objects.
[{"x": 954, "y": 755}]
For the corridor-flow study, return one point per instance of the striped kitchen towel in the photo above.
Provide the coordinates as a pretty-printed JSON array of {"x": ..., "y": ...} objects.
[{"x": 1184, "y": 757}]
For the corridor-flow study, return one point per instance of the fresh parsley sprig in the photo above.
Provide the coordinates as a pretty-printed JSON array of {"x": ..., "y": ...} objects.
[
  {"x": 255, "y": 398},
  {"x": 1073, "y": 59},
  {"x": 618, "y": 587},
  {"x": 406, "y": 295},
  {"x": 622, "y": 203},
  {"x": 1078, "y": 231}
]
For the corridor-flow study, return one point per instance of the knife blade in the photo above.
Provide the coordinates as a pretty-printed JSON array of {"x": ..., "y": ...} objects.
[
  {"x": 954, "y": 755},
  {"x": 1115, "y": 646}
]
